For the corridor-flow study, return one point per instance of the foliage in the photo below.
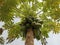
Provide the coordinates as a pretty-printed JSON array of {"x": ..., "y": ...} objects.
[
  {"x": 48, "y": 11},
  {"x": 2, "y": 40}
]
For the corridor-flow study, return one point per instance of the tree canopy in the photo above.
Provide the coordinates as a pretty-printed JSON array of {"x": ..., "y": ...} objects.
[{"x": 47, "y": 11}]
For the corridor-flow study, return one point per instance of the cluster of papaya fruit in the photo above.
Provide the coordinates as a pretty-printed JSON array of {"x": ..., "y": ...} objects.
[
  {"x": 1, "y": 31},
  {"x": 31, "y": 22}
]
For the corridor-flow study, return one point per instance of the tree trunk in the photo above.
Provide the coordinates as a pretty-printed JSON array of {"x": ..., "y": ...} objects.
[{"x": 29, "y": 37}]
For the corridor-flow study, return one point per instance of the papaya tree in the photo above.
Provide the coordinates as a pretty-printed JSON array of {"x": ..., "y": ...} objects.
[{"x": 37, "y": 19}]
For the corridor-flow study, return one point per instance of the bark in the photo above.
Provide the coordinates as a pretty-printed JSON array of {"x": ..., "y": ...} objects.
[{"x": 29, "y": 37}]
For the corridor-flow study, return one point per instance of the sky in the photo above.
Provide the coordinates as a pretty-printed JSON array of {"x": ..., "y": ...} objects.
[{"x": 54, "y": 39}]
